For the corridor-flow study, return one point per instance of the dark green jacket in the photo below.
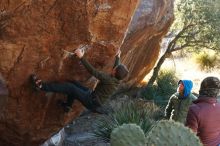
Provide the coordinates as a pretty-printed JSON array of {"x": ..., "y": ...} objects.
[
  {"x": 107, "y": 84},
  {"x": 177, "y": 108}
]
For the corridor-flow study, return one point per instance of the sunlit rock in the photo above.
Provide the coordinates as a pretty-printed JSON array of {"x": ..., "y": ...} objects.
[{"x": 33, "y": 34}]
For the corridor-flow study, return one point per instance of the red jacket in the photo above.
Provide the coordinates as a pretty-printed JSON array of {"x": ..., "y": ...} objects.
[{"x": 204, "y": 119}]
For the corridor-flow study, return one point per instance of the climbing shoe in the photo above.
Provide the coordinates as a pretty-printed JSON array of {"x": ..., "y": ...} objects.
[{"x": 36, "y": 82}]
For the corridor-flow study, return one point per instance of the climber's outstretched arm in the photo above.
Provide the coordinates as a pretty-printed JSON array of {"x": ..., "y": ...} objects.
[{"x": 98, "y": 74}]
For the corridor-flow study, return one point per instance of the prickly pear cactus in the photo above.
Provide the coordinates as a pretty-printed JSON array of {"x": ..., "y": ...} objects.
[
  {"x": 170, "y": 133},
  {"x": 127, "y": 135}
]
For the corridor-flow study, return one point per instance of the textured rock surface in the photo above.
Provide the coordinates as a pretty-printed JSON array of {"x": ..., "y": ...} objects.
[
  {"x": 142, "y": 45},
  {"x": 32, "y": 36}
]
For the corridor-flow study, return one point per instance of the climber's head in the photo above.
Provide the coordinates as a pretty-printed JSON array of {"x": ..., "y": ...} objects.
[{"x": 120, "y": 72}]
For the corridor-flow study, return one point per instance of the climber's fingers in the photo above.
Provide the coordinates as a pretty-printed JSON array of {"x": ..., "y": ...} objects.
[
  {"x": 79, "y": 53},
  {"x": 118, "y": 53}
]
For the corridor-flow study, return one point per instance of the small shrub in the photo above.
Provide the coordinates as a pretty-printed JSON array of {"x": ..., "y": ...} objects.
[
  {"x": 167, "y": 82},
  {"x": 150, "y": 93},
  {"x": 166, "y": 85},
  {"x": 139, "y": 112},
  {"x": 206, "y": 61}
]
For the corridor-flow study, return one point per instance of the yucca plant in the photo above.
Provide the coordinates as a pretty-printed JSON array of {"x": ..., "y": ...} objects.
[
  {"x": 139, "y": 112},
  {"x": 136, "y": 111},
  {"x": 104, "y": 126}
]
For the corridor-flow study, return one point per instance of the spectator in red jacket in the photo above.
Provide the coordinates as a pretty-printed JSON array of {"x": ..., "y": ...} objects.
[{"x": 204, "y": 115}]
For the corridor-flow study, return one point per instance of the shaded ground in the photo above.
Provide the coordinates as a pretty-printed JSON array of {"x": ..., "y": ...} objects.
[
  {"x": 77, "y": 133},
  {"x": 80, "y": 132}
]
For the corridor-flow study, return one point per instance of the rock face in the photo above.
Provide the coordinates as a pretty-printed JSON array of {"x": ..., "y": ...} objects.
[
  {"x": 33, "y": 34},
  {"x": 151, "y": 22}
]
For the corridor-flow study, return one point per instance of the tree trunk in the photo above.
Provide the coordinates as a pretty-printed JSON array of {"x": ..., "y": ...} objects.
[
  {"x": 170, "y": 48},
  {"x": 157, "y": 69},
  {"x": 155, "y": 74}
]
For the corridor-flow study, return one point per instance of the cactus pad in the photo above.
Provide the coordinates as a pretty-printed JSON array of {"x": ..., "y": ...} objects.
[
  {"x": 170, "y": 133},
  {"x": 127, "y": 135}
]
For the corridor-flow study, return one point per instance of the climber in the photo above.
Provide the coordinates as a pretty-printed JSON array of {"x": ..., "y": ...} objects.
[
  {"x": 178, "y": 105},
  {"x": 91, "y": 99}
]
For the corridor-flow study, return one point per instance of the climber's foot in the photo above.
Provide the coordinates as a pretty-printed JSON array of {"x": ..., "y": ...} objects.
[{"x": 36, "y": 82}]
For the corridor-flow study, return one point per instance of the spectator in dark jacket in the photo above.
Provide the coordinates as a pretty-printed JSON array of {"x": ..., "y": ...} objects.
[
  {"x": 91, "y": 99},
  {"x": 204, "y": 115},
  {"x": 178, "y": 105}
]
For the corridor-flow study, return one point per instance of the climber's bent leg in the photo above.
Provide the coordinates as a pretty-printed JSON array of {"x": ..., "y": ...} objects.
[
  {"x": 71, "y": 90},
  {"x": 78, "y": 84},
  {"x": 64, "y": 88}
]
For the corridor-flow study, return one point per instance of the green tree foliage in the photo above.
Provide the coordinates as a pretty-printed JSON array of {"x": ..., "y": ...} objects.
[{"x": 196, "y": 26}]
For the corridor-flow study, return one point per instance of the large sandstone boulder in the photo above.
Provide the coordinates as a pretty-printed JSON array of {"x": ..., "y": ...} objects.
[{"x": 33, "y": 34}]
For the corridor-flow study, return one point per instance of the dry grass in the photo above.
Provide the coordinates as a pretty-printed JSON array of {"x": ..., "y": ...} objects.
[{"x": 206, "y": 61}]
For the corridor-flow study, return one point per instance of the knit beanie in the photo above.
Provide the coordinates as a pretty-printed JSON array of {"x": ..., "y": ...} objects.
[{"x": 210, "y": 87}]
